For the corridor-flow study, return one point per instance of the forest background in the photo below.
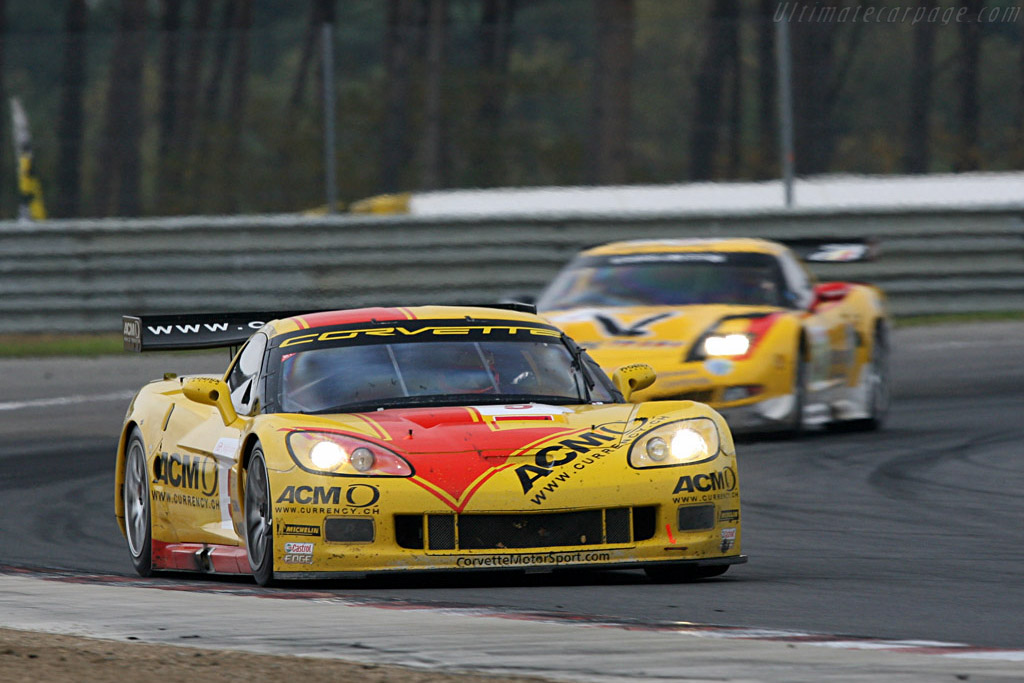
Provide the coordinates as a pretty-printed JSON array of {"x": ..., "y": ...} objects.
[{"x": 173, "y": 107}]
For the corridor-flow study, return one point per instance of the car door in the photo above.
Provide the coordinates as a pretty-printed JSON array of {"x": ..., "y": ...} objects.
[
  {"x": 829, "y": 329},
  {"x": 202, "y": 465}
]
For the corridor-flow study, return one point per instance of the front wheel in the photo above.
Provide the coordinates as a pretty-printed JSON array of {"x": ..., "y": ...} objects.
[
  {"x": 259, "y": 529},
  {"x": 879, "y": 389},
  {"x": 795, "y": 424},
  {"x": 137, "y": 511}
]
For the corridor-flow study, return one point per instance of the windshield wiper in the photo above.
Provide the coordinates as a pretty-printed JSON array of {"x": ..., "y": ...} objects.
[{"x": 581, "y": 371}]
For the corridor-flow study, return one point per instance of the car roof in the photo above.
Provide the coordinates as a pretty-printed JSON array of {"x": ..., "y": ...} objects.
[
  {"x": 322, "y": 319},
  {"x": 647, "y": 246}
]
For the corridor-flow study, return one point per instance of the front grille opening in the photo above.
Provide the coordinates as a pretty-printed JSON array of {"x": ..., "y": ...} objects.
[
  {"x": 348, "y": 530},
  {"x": 645, "y": 521},
  {"x": 517, "y": 531},
  {"x": 409, "y": 531},
  {"x": 696, "y": 517},
  {"x": 441, "y": 531},
  {"x": 491, "y": 532}
]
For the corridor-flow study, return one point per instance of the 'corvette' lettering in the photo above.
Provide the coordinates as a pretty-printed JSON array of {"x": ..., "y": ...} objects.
[{"x": 437, "y": 330}]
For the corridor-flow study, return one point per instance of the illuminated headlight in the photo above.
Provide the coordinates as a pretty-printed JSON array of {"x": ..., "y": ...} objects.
[
  {"x": 726, "y": 345},
  {"x": 679, "y": 443},
  {"x": 327, "y": 455},
  {"x": 336, "y": 454}
]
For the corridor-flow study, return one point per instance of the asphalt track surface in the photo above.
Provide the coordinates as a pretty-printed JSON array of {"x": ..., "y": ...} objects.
[{"x": 915, "y": 532}]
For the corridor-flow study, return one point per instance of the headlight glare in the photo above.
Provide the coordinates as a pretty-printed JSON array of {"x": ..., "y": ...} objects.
[
  {"x": 688, "y": 444},
  {"x": 341, "y": 455},
  {"x": 683, "y": 442},
  {"x": 726, "y": 345},
  {"x": 327, "y": 455}
]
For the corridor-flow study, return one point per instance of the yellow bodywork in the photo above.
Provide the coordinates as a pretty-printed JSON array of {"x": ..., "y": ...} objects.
[
  {"x": 469, "y": 462},
  {"x": 834, "y": 337}
]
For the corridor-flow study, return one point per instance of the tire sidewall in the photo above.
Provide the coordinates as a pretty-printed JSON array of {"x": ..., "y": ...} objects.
[
  {"x": 142, "y": 558},
  {"x": 263, "y": 566}
]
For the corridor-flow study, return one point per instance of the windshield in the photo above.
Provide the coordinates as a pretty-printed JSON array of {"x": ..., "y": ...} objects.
[
  {"x": 348, "y": 378},
  {"x": 667, "y": 279}
]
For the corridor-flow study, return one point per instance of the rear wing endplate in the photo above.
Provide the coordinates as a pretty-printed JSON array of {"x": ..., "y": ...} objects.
[
  {"x": 195, "y": 330},
  {"x": 825, "y": 250}
]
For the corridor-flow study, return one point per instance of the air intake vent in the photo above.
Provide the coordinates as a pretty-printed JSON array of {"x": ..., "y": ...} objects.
[{"x": 526, "y": 530}]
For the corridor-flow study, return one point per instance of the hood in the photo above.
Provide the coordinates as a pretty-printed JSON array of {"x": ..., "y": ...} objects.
[
  {"x": 454, "y": 450},
  {"x": 659, "y": 334}
]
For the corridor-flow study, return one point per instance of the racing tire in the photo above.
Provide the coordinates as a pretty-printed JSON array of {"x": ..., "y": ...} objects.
[
  {"x": 794, "y": 426},
  {"x": 684, "y": 573},
  {"x": 259, "y": 525},
  {"x": 880, "y": 393},
  {"x": 138, "y": 515}
]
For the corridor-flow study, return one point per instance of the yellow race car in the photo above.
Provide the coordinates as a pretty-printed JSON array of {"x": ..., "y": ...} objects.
[
  {"x": 739, "y": 324},
  {"x": 344, "y": 443}
]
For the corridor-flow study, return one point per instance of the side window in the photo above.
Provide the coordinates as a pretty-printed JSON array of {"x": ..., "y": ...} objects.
[
  {"x": 243, "y": 376},
  {"x": 799, "y": 283}
]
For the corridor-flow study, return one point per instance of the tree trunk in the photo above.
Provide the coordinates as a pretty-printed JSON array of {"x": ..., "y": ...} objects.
[
  {"x": 236, "y": 103},
  {"x": 309, "y": 45},
  {"x": 190, "y": 84},
  {"x": 433, "y": 139},
  {"x": 7, "y": 157},
  {"x": 220, "y": 60},
  {"x": 170, "y": 26},
  {"x": 764, "y": 164},
  {"x": 967, "y": 151},
  {"x": 819, "y": 75},
  {"x": 721, "y": 35},
  {"x": 70, "y": 122},
  {"x": 399, "y": 35},
  {"x": 735, "y": 68},
  {"x": 612, "y": 89},
  {"x": 495, "y": 43},
  {"x": 916, "y": 157},
  {"x": 118, "y": 180}
]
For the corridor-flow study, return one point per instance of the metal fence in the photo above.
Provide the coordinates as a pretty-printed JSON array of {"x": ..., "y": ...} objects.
[{"x": 81, "y": 276}]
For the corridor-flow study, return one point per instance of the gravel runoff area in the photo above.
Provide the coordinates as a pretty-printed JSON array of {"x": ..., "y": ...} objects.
[{"x": 30, "y": 657}]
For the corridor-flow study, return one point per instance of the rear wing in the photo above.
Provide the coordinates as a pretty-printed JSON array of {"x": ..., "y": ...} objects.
[
  {"x": 180, "y": 332},
  {"x": 194, "y": 330},
  {"x": 826, "y": 250}
]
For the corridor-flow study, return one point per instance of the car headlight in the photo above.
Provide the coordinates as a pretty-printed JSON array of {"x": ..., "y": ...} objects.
[
  {"x": 678, "y": 443},
  {"x": 342, "y": 455},
  {"x": 726, "y": 344}
]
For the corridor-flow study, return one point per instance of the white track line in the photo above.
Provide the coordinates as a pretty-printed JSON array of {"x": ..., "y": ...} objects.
[{"x": 123, "y": 395}]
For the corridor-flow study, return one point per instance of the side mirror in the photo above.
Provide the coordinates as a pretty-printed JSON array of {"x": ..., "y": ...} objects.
[
  {"x": 632, "y": 378},
  {"x": 828, "y": 292},
  {"x": 211, "y": 392}
]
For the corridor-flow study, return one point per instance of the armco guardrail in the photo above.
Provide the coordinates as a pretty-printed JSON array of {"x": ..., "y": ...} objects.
[{"x": 65, "y": 276}]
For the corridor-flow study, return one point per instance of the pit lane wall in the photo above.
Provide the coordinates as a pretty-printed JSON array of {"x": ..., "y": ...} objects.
[{"x": 81, "y": 276}]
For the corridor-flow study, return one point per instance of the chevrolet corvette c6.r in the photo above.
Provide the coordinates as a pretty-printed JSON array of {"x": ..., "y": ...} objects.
[
  {"x": 345, "y": 443},
  {"x": 739, "y": 324}
]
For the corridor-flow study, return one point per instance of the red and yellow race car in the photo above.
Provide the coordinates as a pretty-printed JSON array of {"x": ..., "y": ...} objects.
[
  {"x": 739, "y": 324},
  {"x": 344, "y": 443}
]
